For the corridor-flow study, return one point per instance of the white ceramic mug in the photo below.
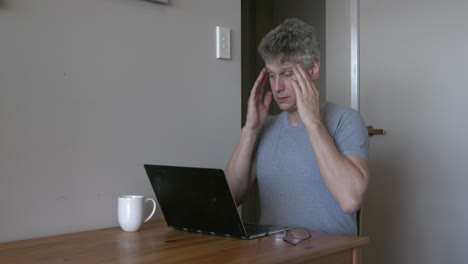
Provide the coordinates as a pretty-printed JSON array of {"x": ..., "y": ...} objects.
[{"x": 131, "y": 211}]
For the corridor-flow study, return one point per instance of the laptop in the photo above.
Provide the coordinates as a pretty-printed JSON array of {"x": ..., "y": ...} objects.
[{"x": 199, "y": 200}]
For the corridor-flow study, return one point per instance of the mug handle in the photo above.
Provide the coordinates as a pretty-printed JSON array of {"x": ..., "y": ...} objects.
[{"x": 154, "y": 208}]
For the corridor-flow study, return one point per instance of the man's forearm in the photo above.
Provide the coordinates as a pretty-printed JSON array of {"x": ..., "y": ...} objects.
[
  {"x": 238, "y": 169},
  {"x": 345, "y": 177}
]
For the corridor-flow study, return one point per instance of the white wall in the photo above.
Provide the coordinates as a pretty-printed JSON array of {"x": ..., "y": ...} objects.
[{"x": 91, "y": 90}]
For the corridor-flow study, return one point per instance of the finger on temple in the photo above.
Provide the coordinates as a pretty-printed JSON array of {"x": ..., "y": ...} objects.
[
  {"x": 301, "y": 81},
  {"x": 297, "y": 87},
  {"x": 260, "y": 82},
  {"x": 309, "y": 84}
]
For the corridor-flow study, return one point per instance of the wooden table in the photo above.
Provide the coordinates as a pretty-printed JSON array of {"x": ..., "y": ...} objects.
[{"x": 157, "y": 243}]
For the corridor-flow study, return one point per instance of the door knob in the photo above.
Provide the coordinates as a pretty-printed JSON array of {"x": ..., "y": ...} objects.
[{"x": 375, "y": 131}]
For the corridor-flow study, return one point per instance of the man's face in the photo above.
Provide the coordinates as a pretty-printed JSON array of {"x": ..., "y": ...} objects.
[{"x": 280, "y": 75}]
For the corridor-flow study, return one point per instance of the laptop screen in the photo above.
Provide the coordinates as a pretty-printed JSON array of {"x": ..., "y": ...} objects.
[{"x": 195, "y": 199}]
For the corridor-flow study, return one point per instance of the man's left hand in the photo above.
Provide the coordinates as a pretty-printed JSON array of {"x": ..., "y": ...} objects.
[{"x": 307, "y": 97}]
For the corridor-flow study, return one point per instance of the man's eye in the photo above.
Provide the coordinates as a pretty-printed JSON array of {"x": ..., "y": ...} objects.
[
  {"x": 271, "y": 76},
  {"x": 288, "y": 74}
]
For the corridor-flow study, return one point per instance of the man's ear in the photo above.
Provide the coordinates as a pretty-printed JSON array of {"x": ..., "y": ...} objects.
[{"x": 314, "y": 70}]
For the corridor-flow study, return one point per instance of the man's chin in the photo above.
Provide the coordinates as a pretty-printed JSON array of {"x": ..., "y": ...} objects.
[{"x": 285, "y": 107}]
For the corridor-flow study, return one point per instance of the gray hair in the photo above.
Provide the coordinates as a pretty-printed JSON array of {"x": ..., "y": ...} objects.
[{"x": 292, "y": 41}]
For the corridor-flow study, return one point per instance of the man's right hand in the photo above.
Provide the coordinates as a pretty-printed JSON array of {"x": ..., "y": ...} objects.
[
  {"x": 258, "y": 105},
  {"x": 240, "y": 170}
]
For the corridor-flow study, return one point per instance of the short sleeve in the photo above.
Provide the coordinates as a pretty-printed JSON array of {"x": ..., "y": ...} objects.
[{"x": 351, "y": 137}]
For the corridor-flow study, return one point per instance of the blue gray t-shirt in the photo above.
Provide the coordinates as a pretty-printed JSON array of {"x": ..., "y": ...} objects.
[{"x": 292, "y": 192}]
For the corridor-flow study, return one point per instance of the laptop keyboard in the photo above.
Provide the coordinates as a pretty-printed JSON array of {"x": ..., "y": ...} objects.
[{"x": 259, "y": 228}]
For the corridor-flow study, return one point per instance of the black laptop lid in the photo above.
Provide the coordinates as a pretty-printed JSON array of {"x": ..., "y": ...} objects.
[{"x": 195, "y": 199}]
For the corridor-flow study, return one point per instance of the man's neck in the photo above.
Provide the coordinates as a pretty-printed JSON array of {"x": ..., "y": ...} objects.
[{"x": 294, "y": 119}]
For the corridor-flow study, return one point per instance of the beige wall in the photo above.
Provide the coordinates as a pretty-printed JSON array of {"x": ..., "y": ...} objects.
[{"x": 90, "y": 90}]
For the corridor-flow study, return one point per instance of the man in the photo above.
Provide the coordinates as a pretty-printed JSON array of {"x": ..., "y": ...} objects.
[{"x": 310, "y": 161}]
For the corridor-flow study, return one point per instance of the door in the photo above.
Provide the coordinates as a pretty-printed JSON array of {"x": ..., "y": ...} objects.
[{"x": 413, "y": 83}]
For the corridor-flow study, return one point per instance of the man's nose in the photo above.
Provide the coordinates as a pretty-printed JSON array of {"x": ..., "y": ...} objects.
[{"x": 278, "y": 84}]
